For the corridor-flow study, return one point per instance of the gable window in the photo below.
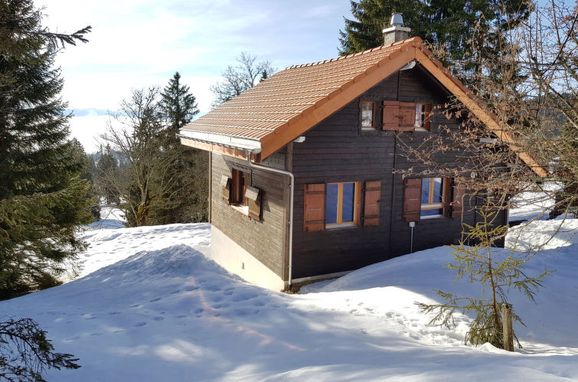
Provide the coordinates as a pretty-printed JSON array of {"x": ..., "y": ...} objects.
[
  {"x": 422, "y": 116},
  {"x": 432, "y": 198},
  {"x": 239, "y": 182},
  {"x": 368, "y": 115}
]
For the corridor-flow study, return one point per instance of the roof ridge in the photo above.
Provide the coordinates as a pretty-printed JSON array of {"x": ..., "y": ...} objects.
[{"x": 381, "y": 47}]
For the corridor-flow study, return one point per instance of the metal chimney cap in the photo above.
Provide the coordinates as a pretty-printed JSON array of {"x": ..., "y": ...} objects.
[{"x": 396, "y": 20}]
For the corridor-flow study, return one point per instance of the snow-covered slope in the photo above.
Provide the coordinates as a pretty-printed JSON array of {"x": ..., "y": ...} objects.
[{"x": 151, "y": 307}]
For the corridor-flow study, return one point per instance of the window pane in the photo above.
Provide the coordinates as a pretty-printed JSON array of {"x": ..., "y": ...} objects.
[
  {"x": 331, "y": 204},
  {"x": 348, "y": 202},
  {"x": 425, "y": 190},
  {"x": 437, "y": 196},
  {"x": 367, "y": 114},
  {"x": 418, "y": 115}
]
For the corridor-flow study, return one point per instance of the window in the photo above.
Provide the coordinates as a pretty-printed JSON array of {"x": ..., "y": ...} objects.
[
  {"x": 422, "y": 116},
  {"x": 340, "y": 204},
  {"x": 368, "y": 115},
  {"x": 432, "y": 198},
  {"x": 335, "y": 205},
  {"x": 239, "y": 183}
]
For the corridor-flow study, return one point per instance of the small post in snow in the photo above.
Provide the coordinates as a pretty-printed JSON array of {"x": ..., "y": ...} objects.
[{"x": 508, "y": 334}]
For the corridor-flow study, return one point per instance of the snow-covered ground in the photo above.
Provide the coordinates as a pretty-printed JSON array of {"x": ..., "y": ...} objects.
[{"x": 150, "y": 307}]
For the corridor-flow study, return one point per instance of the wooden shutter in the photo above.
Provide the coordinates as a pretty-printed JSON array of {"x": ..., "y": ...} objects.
[
  {"x": 254, "y": 197},
  {"x": 371, "y": 203},
  {"x": 411, "y": 199},
  {"x": 314, "y": 214},
  {"x": 390, "y": 115},
  {"x": 447, "y": 196},
  {"x": 428, "y": 114},
  {"x": 459, "y": 191},
  {"x": 406, "y": 116},
  {"x": 226, "y": 187}
]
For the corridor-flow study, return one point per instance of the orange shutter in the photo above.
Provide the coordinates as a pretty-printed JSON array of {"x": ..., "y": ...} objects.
[
  {"x": 459, "y": 192},
  {"x": 390, "y": 115},
  {"x": 411, "y": 199},
  {"x": 253, "y": 197},
  {"x": 428, "y": 114},
  {"x": 407, "y": 116},
  {"x": 226, "y": 187},
  {"x": 447, "y": 196},
  {"x": 314, "y": 214},
  {"x": 371, "y": 205}
]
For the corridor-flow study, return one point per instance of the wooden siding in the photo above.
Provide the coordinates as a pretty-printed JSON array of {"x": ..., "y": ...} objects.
[
  {"x": 265, "y": 239},
  {"x": 338, "y": 150}
]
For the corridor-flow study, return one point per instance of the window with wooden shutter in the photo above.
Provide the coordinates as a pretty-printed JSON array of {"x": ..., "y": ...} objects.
[
  {"x": 226, "y": 187},
  {"x": 367, "y": 115},
  {"x": 423, "y": 116},
  {"x": 371, "y": 203},
  {"x": 459, "y": 192},
  {"x": 391, "y": 115},
  {"x": 314, "y": 203},
  {"x": 239, "y": 182},
  {"x": 411, "y": 199},
  {"x": 253, "y": 197},
  {"x": 406, "y": 116}
]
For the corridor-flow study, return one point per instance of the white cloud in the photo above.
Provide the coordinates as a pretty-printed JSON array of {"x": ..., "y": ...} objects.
[{"x": 140, "y": 43}]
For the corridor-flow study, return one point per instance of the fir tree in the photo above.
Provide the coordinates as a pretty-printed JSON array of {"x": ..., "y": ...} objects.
[
  {"x": 184, "y": 197},
  {"x": 106, "y": 173},
  {"x": 42, "y": 197},
  {"x": 464, "y": 29},
  {"x": 496, "y": 275}
]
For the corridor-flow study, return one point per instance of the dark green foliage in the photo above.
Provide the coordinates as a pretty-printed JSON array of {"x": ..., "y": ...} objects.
[
  {"x": 42, "y": 195},
  {"x": 163, "y": 182},
  {"x": 107, "y": 170},
  {"x": 496, "y": 274},
  {"x": 184, "y": 197},
  {"x": 26, "y": 353},
  {"x": 464, "y": 29}
]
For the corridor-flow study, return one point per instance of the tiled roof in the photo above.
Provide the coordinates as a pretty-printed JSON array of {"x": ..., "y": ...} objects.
[
  {"x": 275, "y": 112},
  {"x": 271, "y": 104}
]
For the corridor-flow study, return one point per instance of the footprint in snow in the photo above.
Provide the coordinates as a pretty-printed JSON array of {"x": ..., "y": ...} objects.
[
  {"x": 155, "y": 299},
  {"x": 136, "y": 306},
  {"x": 140, "y": 324},
  {"x": 88, "y": 316},
  {"x": 113, "y": 313}
]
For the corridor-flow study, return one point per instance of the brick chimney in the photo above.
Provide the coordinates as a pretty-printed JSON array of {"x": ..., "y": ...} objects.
[{"x": 396, "y": 31}]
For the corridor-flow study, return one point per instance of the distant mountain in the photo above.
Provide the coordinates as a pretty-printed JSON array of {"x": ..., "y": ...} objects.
[{"x": 88, "y": 112}]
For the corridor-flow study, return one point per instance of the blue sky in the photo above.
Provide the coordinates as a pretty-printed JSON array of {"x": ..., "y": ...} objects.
[{"x": 141, "y": 43}]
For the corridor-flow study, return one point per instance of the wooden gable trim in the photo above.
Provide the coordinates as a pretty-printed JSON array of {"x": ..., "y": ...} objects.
[
  {"x": 469, "y": 101},
  {"x": 338, "y": 99}
]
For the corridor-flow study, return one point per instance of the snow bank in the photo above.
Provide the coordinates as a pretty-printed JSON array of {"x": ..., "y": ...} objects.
[{"x": 151, "y": 307}]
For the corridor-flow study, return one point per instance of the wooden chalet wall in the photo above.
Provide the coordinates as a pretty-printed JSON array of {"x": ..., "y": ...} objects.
[
  {"x": 337, "y": 150},
  {"x": 266, "y": 240}
]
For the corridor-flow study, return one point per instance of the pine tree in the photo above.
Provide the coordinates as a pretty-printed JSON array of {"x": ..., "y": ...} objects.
[
  {"x": 463, "y": 29},
  {"x": 106, "y": 173},
  {"x": 42, "y": 197},
  {"x": 497, "y": 275},
  {"x": 184, "y": 197}
]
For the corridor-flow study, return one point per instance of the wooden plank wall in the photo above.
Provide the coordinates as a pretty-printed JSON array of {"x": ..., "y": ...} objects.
[
  {"x": 266, "y": 239},
  {"x": 337, "y": 150}
]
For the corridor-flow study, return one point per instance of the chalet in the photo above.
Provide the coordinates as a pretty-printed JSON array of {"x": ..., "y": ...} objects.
[{"x": 303, "y": 180}]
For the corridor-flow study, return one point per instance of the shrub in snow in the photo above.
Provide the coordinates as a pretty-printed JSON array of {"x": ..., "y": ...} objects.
[{"x": 495, "y": 273}]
